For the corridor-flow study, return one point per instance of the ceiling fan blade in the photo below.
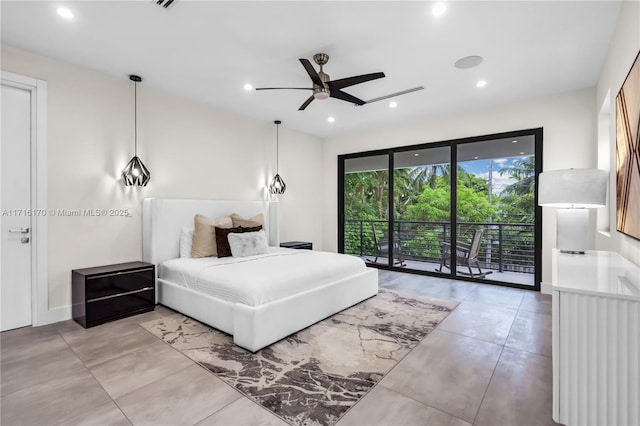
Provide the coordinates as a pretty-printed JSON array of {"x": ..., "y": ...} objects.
[
  {"x": 351, "y": 81},
  {"x": 306, "y": 103},
  {"x": 311, "y": 71},
  {"x": 339, "y": 94},
  {"x": 393, "y": 95},
  {"x": 284, "y": 88}
]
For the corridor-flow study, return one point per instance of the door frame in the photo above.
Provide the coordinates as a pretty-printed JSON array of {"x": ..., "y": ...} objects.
[
  {"x": 39, "y": 270},
  {"x": 538, "y": 134}
]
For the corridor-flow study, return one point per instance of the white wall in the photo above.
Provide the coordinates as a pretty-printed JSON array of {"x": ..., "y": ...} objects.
[
  {"x": 192, "y": 151},
  {"x": 569, "y": 134},
  {"x": 623, "y": 49}
]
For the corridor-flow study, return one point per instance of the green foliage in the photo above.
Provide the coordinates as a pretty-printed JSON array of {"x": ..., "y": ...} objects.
[
  {"x": 516, "y": 202},
  {"x": 423, "y": 194}
]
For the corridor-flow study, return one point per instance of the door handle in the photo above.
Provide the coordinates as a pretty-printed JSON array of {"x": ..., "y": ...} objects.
[{"x": 20, "y": 231}]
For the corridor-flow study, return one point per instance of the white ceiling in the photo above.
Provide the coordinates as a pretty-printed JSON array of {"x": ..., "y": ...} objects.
[{"x": 208, "y": 50}]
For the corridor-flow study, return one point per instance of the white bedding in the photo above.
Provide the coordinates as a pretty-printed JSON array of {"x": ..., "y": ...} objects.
[{"x": 257, "y": 280}]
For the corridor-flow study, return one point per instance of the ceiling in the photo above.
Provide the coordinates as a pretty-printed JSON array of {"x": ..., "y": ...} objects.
[{"x": 208, "y": 50}]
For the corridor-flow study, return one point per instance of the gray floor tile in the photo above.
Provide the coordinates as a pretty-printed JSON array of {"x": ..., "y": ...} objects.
[
  {"x": 55, "y": 401},
  {"x": 536, "y": 302},
  {"x": 520, "y": 392},
  {"x": 385, "y": 407},
  {"x": 138, "y": 368},
  {"x": 243, "y": 412},
  {"x": 496, "y": 295},
  {"x": 490, "y": 323},
  {"x": 531, "y": 332},
  {"x": 23, "y": 372},
  {"x": 99, "y": 344},
  {"x": 106, "y": 415},
  {"x": 29, "y": 342},
  {"x": 446, "y": 371},
  {"x": 183, "y": 398},
  {"x": 431, "y": 286}
]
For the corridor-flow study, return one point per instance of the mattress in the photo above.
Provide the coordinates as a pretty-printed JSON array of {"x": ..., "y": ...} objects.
[{"x": 257, "y": 280}]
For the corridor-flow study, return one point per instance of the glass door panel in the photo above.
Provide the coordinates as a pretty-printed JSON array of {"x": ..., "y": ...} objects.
[
  {"x": 495, "y": 210},
  {"x": 366, "y": 201},
  {"x": 421, "y": 207}
]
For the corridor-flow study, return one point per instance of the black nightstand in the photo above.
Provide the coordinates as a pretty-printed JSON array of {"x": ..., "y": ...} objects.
[
  {"x": 106, "y": 293},
  {"x": 301, "y": 245}
]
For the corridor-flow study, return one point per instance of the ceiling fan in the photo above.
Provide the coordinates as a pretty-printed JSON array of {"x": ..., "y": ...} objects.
[{"x": 324, "y": 87}]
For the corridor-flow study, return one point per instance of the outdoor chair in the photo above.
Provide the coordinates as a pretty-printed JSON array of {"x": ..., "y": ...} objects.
[
  {"x": 465, "y": 255},
  {"x": 382, "y": 248}
]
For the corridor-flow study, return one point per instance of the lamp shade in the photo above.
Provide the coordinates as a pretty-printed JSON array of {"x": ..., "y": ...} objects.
[
  {"x": 135, "y": 173},
  {"x": 573, "y": 188}
]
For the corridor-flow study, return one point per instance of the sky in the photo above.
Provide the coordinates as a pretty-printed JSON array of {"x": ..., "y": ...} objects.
[{"x": 480, "y": 168}]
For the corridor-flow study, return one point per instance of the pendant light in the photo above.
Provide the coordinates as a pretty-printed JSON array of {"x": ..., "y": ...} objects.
[
  {"x": 277, "y": 185},
  {"x": 135, "y": 172}
]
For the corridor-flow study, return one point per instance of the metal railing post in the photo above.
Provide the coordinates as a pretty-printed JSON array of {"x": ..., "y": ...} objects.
[
  {"x": 500, "y": 267},
  {"x": 361, "y": 237}
]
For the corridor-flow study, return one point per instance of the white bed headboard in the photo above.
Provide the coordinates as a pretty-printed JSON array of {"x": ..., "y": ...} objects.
[{"x": 163, "y": 219}]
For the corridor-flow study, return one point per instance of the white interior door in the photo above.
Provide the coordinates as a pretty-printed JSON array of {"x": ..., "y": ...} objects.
[{"x": 15, "y": 250}]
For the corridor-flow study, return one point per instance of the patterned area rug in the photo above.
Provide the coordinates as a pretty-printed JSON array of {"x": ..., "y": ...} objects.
[{"x": 315, "y": 375}]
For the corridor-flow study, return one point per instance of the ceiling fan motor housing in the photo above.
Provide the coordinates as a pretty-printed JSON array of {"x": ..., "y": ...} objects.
[{"x": 322, "y": 92}]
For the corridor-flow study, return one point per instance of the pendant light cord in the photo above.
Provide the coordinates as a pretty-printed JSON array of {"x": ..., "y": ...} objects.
[
  {"x": 135, "y": 118},
  {"x": 277, "y": 149}
]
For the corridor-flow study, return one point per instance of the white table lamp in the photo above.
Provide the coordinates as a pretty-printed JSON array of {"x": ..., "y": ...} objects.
[{"x": 573, "y": 191}]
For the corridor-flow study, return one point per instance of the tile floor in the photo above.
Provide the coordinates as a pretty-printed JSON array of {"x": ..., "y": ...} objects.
[{"x": 488, "y": 363}]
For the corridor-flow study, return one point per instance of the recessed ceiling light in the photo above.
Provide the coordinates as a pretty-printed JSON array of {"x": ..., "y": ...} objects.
[
  {"x": 331, "y": 119},
  {"x": 393, "y": 104},
  {"x": 248, "y": 86},
  {"x": 468, "y": 62},
  {"x": 416, "y": 154},
  {"x": 439, "y": 8},
  {"x": 522, "y": 153},
  {"x": 514, "y": 141},
  {"x": 65, "y": 13},
  {"x": 481, "y": 83}
]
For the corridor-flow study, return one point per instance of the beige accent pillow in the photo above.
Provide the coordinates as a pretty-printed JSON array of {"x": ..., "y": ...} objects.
[
  {"x": 204, "y": 235},
  {"x": 257, "y": 220}
]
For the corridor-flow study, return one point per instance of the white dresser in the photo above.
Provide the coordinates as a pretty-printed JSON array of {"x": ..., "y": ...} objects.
[{"x": 596, "y": 339}]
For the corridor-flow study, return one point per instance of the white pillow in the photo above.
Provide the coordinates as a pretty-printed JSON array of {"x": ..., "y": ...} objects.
[
  {"x": 247, "y": 243},
  {"x": 186, "y": 241}
]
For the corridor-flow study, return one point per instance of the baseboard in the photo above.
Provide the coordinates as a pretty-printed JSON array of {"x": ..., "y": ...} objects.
[{"x": 546, "y": 288}]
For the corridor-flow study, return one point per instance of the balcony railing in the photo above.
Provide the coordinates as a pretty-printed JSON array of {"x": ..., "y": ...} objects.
[{"x": 505, "y": 247}]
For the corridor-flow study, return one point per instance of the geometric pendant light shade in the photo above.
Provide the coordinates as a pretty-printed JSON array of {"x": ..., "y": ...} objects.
[
  {"x": 135, "y": 172},
  {"x": 277, "y": 184}
]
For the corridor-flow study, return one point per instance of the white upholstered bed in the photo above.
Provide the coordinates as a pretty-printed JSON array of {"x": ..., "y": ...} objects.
[{"x": 254, "y": 319}]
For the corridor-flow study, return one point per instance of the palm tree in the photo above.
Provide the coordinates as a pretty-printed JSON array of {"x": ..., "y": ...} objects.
[{"x": 523, "y": 171}]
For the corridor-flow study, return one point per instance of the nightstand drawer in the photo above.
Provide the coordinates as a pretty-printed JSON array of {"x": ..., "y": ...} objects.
[
  {"x": 119, "y": 306},
  {"x": 104, "y": 285}
]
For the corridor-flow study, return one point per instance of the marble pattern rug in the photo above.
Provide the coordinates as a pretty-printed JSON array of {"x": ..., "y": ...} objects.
[{"x": 315, "y": 375}]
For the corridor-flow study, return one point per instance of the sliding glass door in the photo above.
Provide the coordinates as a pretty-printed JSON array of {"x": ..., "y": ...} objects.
[
  {"x": 365, "y": 208},
  {"x": 495, "y": 209},
  {"x": 421, "y": 206},
  {"x": 464, "y": 209}
]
